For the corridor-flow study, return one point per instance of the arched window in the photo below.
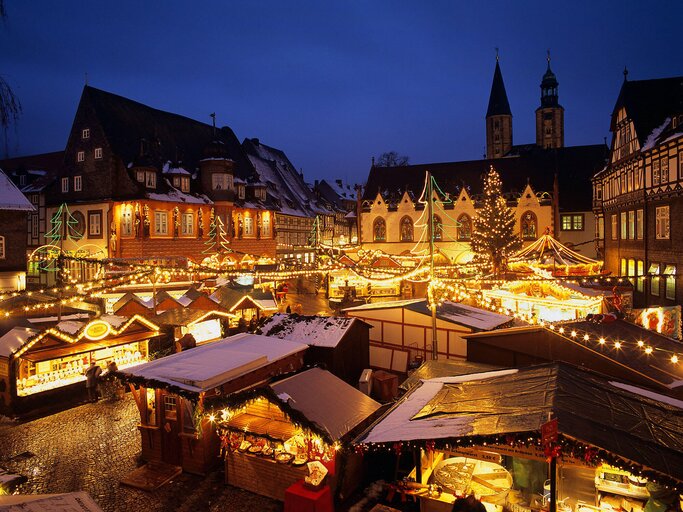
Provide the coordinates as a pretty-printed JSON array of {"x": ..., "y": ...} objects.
[
  {"x": 406, "y": 229},
  {"x": 76, "y": 228},
  {"x": 464, "y": 228},
  {"x": 529, "y": 226},
  {"x": 438, "y": 229},
  {"x": 379, "y": 230}
]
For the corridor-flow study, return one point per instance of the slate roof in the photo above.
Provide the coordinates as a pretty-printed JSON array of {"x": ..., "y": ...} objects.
[
  {"x": 649, "y": 102},
  {"x": 284, "y": 184},
  {"x": 336, "y": 193},
  {"x": 170, "y": 137},
  {"x": 498, "y": 100},
  {"x": 40, "y": 170},
  {"x": 575, "y": 167}
]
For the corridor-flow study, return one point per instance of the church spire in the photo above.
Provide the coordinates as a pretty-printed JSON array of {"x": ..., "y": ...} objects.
[
  {"x": 550, "y": 115},
  {"x": 498, "y": 117},
  {"x": 498, "y": 99}
]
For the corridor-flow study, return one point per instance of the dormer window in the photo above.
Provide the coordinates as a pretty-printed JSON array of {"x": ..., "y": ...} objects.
[
  {"x": 150, "y": 179},
  {"x": 182, "y": 182},
  {"x": 85, "y": 134},
  {"x": 260, "y": 193},
  {"x": 221, "y": 181},
  {"x": 140, "y": 176},
  {"x": 240, "y": 191},
  {"x": 22, "y": 179}
]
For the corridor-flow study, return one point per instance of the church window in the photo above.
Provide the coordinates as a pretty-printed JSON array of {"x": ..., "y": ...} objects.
[
  {"x": 529, "y": 226},
  {"x": 464, "y": 228},
  {"x": 379, "y": 230},
  {"x": 406, "y": 229}
]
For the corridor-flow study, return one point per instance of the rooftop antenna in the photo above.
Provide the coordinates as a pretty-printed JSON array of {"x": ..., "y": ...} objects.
[
  {"x": 625, "y": 73},
  {"x": 548, "y": 58},
  {"x": 497, "y": 56},
  {"x": 213, "y": 121}
]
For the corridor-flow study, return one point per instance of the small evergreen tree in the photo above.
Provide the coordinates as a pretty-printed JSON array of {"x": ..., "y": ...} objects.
[
  {"x": 59, "y": 231},
  {"x": 494, "y": 239}
]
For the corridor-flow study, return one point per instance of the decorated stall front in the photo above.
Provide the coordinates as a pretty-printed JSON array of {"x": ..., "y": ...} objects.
[
  {"x": 170, "y": 392},
  {"x": 40, "y": 366},
  {"x": 296, "y": 429},
  {"x": 547, "y": 437},
  {"x": 203, "y": 326},
  {"x": 545, "y": 299}
]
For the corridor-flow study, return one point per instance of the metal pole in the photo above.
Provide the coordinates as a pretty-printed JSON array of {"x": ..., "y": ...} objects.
[
  {"x": 553, "y": 484},
  {"x": 430, "y": 225}
]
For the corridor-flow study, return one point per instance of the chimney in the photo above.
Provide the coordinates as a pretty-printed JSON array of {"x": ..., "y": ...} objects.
[{"x": 339, "y": 182}]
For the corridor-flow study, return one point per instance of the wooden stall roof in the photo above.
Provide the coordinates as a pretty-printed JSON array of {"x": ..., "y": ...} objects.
[
  {"x": 186, "y": 317},
  {"x": 208, "y": 366}
]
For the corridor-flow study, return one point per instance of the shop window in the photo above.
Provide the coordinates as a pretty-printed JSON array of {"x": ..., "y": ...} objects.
[
  {"x": 654, "y": 279},
  {"x": 464, "y": 228},
  {"x": 529, "y": 226},
  {"x": 265, "y": 225},
  {"x": 406, "y": 229},
  {"x": 379, "y": 230},
  {"x": 161, "y": 223},
  {"x": 622, "y": 269},
  {"x": 640, "y": 272},
  {"x": 670, "y": 282},
  {"x": 248, "y": 225},
  {"x": 662, "y": 222}
]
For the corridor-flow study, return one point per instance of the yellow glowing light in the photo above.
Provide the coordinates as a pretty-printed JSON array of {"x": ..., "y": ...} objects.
[
  {"x": 617, "y": 345},
  {"x": 601, "y": 341},
  {"x": 586, "y": 337},
  {"x": 674, "y": 358},
  {"x": 648, "y": 350},
  {"x": 641, "y": 343}
]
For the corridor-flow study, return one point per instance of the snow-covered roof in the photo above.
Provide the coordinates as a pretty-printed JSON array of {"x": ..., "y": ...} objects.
[
  {"x": 207, "y": 366},
  {"x": 651, "y": 140},
  {"x": 317, "y": 331},
  {"x": 12, "y": 340},
  {"x": 168, "y": 168},
  {"x": 11, "y": 197},
  {"x": 176, "y": 196}
]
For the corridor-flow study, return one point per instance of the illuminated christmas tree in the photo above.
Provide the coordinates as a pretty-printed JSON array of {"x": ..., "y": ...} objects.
[
  {"x": 63, "y": 226},
  {"x": 494, "y": 238},
  {"x": 218, "y": 241}
]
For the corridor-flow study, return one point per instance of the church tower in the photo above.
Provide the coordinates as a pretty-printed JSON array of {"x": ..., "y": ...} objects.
[
  {"x": 550, "y": 115},
  {"x": 498, "y": 118}
]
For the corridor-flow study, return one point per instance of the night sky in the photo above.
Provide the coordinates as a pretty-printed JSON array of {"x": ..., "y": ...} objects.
[{"x": 334, "y": 83}]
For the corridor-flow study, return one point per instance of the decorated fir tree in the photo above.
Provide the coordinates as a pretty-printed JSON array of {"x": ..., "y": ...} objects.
[
  {"x": 494, "y": 239},
  {"x": 218, "y": 241}
]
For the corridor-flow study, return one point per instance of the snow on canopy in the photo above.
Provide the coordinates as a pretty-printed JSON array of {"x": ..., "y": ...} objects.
[{"x": 549, "y": 254}]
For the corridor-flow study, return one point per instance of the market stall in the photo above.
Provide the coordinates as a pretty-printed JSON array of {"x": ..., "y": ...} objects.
[
  {"x": 550, "y": 255},
  {"x": 273, "y": 437},
  {"x": 38, "y": 366},
  {"x": 544, "y": 437},
  {"x": 204, "y": 326},
  {"x": 170, "y": 392}
]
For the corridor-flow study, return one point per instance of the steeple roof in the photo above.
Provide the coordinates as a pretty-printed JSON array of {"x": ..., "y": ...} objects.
[{"x": 498, "y": 100}]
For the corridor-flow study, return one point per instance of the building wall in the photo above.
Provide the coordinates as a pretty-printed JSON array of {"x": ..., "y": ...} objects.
[
  {"x": 13, "y": 231},
  {"x": 452, "y": 243},
  {"x": 580, "y": 240}
]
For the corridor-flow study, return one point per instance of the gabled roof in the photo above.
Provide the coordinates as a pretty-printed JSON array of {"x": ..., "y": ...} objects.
[
  {"x": 11, "y": 197},
  {"x": 469, "y": 316},
  {"x": 40, "y": 170},
  {"x": 575, "y": 166},
  {"x": 317, "y": 331},
  {"x": 498, "y": 99},
  {"x": 626, "y": 421},
  {"x": 649, "y": 102},
  {"x": 284, "y": 184}
]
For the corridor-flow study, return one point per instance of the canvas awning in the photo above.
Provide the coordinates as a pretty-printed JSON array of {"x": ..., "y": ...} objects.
[{"x": 628, "y": 422}]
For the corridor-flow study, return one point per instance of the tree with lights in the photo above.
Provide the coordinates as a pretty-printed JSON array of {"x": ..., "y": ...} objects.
[
  {"x": 218, "y": 241},
  {"x": 63, "y": 226},
  {"x": 494, "y": 238}
]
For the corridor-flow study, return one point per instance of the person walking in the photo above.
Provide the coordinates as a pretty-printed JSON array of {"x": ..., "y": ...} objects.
[{"x": 92, "y": 376}]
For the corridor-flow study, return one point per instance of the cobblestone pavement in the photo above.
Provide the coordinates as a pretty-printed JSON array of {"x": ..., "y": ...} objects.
[{"x": 91, "y": 447}]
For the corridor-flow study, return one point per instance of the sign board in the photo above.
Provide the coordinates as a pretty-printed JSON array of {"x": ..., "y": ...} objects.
[
  {"x": 97, "y": 330},
  {"x": 496, "y": 458},
  {"x": 549, "y": 432}
]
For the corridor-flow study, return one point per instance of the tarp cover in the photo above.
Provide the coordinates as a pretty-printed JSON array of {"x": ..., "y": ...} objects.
[
  {"x": 442, "y": 368},
  {"x": 589, "y": 408}
]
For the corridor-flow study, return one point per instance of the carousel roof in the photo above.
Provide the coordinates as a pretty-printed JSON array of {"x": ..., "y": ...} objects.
[{"x": 548, "y": 251}]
